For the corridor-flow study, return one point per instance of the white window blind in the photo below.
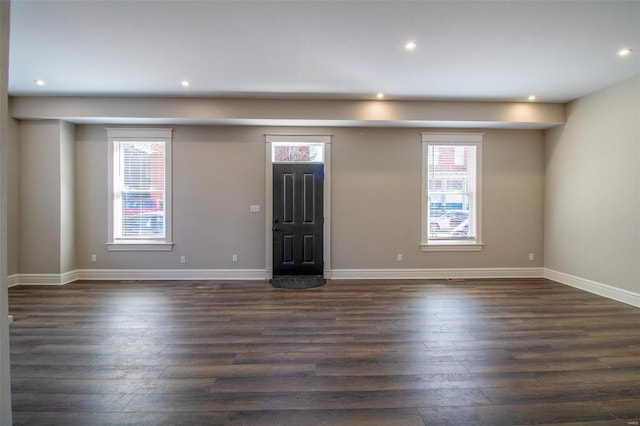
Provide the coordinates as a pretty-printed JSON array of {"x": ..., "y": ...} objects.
[{"x": 139, "y": 189}]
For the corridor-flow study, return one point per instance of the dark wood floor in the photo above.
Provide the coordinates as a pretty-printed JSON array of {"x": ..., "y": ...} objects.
[{"x": 481, "y": 352}]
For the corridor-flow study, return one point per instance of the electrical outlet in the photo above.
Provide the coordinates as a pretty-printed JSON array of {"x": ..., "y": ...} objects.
[
  {"x": 254, "y": 208},
  {"x": 183, "y": 259},
  {"x": 399, "y": 257},
  {"x": 234, "y": 258},
  {"x": 94, "y": 258},
  {"x": 531, "y": 256}
]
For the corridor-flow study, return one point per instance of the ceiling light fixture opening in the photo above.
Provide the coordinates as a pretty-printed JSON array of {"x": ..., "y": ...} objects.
[
  {"x": 38, "y": 82},
  {"x": 410, "y": 45},
  {"x": 625, "y": 52},
  {"x": 380, "y": 96},
  {"x": 533, "y": 97},
  {"x": 185, "y": 83}
]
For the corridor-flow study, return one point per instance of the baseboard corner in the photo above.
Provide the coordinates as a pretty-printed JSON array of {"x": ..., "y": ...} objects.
[{"x": 601, "y": 289}]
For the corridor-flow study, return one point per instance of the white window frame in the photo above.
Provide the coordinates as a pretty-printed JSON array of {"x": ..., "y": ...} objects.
[
  {"x": 142, "y": 135},
  {"x": 466, "y": 139}
]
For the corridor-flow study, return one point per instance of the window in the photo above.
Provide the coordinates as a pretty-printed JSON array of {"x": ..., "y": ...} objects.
[
  {"x": 139, "y": 189},
  {"x": 297, "y": 152},
  {"x": 451, "y": 187}
]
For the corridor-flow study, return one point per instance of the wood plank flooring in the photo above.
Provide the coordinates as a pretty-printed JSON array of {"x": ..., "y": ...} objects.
[{"x": 419, "y": 352}]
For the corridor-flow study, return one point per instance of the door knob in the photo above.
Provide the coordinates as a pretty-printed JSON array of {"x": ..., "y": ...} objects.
[{"x": 275, "y": 229}]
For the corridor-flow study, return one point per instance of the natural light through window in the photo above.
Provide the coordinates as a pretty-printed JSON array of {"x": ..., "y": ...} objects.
[
  {"x": 286, "y": 152},
  {"x": 451, "y": 212},
  {"x": 139, "y": 165}
]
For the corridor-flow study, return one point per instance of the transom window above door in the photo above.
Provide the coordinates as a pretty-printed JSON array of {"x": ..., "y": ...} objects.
[{"x": 297, "y": 152}]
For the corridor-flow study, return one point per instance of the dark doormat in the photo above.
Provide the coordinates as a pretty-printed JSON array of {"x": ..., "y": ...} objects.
[{"x": 297, "y": 281}]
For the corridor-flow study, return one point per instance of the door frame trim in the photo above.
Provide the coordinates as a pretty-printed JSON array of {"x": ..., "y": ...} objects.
[{"x": 326, "y": 242}]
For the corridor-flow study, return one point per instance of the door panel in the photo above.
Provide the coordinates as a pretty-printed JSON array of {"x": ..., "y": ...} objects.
[{"x": 298, "y": 219}]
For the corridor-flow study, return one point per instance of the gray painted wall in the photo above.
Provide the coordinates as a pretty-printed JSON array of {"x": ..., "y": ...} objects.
[
  {"x": 593, "y": 189},
  {"x": 67, "y": 198},
  {"x": 5, "y": 134},
  {"x": 376, "y": 201},
  {"x": 218, "y": 172},
  {"x": 39, "y": 197},
  {"x": 13, "y": 173}
]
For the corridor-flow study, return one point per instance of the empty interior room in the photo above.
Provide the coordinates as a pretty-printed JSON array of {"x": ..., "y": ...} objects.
[{"x": 320, "y": 212}]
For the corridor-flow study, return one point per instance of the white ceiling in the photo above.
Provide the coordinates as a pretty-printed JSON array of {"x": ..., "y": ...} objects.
[{"x": 467, "y": 50}]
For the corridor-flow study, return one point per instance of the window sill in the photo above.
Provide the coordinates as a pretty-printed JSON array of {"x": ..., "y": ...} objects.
[
  {"x": 140, "y": 246},
  {"x": 451, "y": 246}
]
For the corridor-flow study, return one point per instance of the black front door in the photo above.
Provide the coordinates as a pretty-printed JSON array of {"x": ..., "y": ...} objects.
[{"x": 298, "y": 191}]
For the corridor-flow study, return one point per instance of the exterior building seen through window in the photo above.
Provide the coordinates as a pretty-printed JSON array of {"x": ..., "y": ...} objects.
[
  {"x": 139, "y": 189},
  {"x": 451, "y": 191},
  {"x": 297, "y": 152}
]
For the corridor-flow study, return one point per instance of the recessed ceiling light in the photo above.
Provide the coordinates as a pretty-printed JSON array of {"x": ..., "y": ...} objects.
[
  {"x": 380, "y": 96},
  {"x": 410, "y": 45},
  {"x": 38, "y": 82},
  {"x": 625, "y": 52},
  {"x": 185, "y": 83},
  {"x": 533, "y": 97}
]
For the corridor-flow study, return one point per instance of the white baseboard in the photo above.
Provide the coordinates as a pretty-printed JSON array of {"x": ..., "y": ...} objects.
[
  {"x": 43, "y": 279},
  {"x": 263, "y": 274},
  {"x": 136, "y": 274},
  {"x": 12, "y": 280},
  {"x": 440, "y": 273},
  {"x": 604, "y": 290},
  {"x": 171, "y": 274}
]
